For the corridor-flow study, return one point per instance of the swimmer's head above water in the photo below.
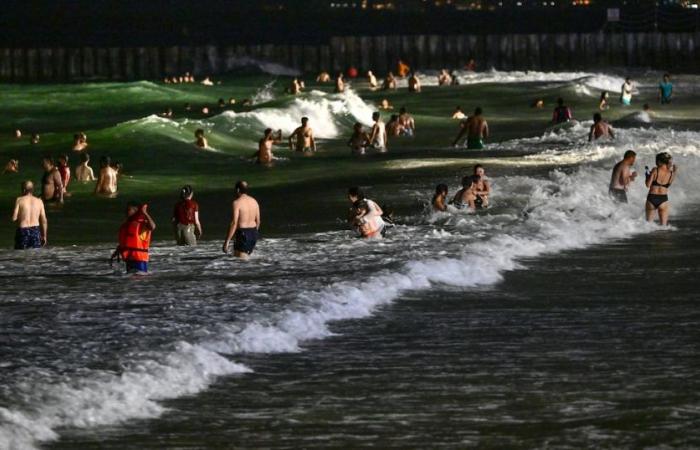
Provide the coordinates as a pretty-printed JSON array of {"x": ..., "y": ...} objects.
[
  {"x": 27, "y": 187},
  {"x": 241, "y": 187}
]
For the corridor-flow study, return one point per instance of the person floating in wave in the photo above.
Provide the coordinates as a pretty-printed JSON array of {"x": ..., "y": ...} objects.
[
  {"x": 622, "y": 177},
  {"x": 371, "y": 214},
  {"x": 384, "y": 105},
  {"x": 339, "y": 84},
  {"x": 402, "y": 69},
  {"x": 12, "y": 166},
  {"x": 659, "y": 180},
  {"x": 562, "y": 113},
  {"x": 378, "y": 136},
  {"x": 414, "y": 83},
  {"x": 80, "y": 142},
  {"x": 444, "y": 78},
  {"x": 665, "y": 90},
  {"x": 51, "y": 182},
  {"x": 372, "y": 80},
  {"x": 439, "y": 202},
  {"x": 407, "y": 123},
  {"x": 30, "y": 217},
  {"x": 83, "y": 172},
  {"x": 359, "y": 140},
  {"x": 323, "y": 77},
  {"x": 107, "y": 178},
  {"x": 458, "y": 113},
  {"x": 185, "y": 218},
  {"x": 600, "y": 129},
  {"x": 245, "y": 223},
  {"x": 200, "y": 141},
  {"x": 302, "y": 138},
  {"x": 476, "y": 128},
  {"x": 389, "y": 82},
  {"x": 264, "y": 154},
  {"x": 135, "y": 239},
  {"x": 603, "y": 102},
  {"x": 626, "y": 92}
]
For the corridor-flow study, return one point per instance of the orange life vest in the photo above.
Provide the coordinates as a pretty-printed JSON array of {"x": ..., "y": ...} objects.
[{"x": 134, "y": 239}]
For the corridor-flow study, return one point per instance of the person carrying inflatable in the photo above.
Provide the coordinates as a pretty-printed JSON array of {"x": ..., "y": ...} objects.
[{"x": 135, "y": 238}]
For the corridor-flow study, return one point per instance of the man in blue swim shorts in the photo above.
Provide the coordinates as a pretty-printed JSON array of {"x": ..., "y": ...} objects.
[
  {"x": 30, "y": 217},
  {"x": 245, "y": 223}
]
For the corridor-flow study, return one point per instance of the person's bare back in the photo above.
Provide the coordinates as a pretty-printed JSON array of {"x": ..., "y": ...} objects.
[
  {"x": 107, "y": 182},
  {"x": 30, "y": 217},
  {"x": 245, "y": 223},
  {"x": 28, "y": 211},
  {"x": 247, "y": 211}
]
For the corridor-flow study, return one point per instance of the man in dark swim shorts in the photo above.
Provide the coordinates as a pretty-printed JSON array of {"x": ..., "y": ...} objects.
[
  {"x": 244, "y": 240},
  {"x": 30, "y": 217},
  {"x": 245, "y": 223}
]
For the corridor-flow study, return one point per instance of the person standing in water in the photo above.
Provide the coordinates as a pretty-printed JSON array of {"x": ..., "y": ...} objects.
[
  {"x": 245, "y": 223},
  {"x": 482, "y": 187},
  {"x": 600, "y": 128},
  {"x": 264, "y": 153},
  {"x": 626, "y": 92},
  {"x": 51, "y": 182},
  {"x": 562, "y": 113},
  {"x": 186, "y": 218},
  {"x": 658, "y": 181},
  {"x": 371, "y": 80},
  {"x": 303, "y": 138},
  {"x": 359, "y": 140},
  {"x": 439, "y": 201},
  {"x": 414, "y": 83},
  {"x": 200, "y": 140},
  {"x": 622, "y": 177},
  {"x": 477, "y": 130},
  {"x": 665, "y": 90},
  {"x": 135, "y": 238},
  {"x": 339, "y": 84},
  {"x": 83, "y": 172},
  {"x": 603, "y": 102},
  {"x": 377, "y": 137},
  {"x": 30, "y": 217},
  {"x": 64, "y": 170},
  {"x": 107, "y": 179},
  {"x": 407, "y": 123}
]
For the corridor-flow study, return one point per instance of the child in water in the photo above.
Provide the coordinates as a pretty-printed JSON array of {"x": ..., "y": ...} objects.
[{"x": 440, "y": 198}]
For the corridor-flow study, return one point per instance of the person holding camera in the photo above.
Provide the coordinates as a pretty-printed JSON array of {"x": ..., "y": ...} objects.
[{"x": 135, "y": 238}]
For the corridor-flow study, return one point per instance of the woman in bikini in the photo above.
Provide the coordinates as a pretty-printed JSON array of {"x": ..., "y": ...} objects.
[{"x": 658, "y": 181}]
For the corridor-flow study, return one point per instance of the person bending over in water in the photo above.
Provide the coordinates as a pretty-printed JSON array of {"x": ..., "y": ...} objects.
[
  {"x": 408, "y": 124},
  {"x": 186, "y": 218},
  {"x": 135, "y": 238},
  {"x": 359, "y": 140},
  {"x": 12, "y": 166},
  {"x": 377, "y": 136},
  {"x": 389, "y": 82},
  {"x": 444, "y": 79},
  {"x": 302, "y": 139},
  {"x": 51, "y": 183},
  {"x": 477, "y": 130},
  {"x": 439, "y": 201},
  {"x": 245, "y": 223},
  {"x": 371, "y": 80},
  {"x": 79, "y": 142},
  {"x": 200, "y": 140},
  {"x": 367, "y": 224},
  {"x": 84, "y": 172},
  {"x": 264, "y": 153},
  {"x": 30, "y": 217},
  {"x": 622, "y": 177},
  {"x": 658, "y": 181},
  {"x": 603, "y": 103},
  {"x": 562, "y": 113},
  {"x": 665, "y": 90},
  {"x": 107, "y": 179},
  {"x": 413, "y": 83},
  {"x": 600, "y": 128},
  {"x": 339, "y": 84}
]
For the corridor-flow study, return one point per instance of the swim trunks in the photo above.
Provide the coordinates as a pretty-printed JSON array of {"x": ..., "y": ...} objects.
[
  {"x": 619, "y": 195},
  {"x": 474, "y": 143},
  {"x": 245, "y": 239},
  {"x": 29, "y": 237},
  {"x": 626, "y": 101},
  {"x": 136, "y": 266}
]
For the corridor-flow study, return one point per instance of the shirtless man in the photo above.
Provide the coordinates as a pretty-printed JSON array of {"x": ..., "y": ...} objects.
[
  {"x": 377, "y": 137},
  {"x": 80, "y": 142},
  {"x": 477, "y": 130},
  {"x": 413, "y": 83},
  {"x": 30, "y": 217},
  {"x": 51, "y": 183},
  {"x": 444, "y": 79},
  {"x": 323, "y": 77},
  {"x": 393, "y": 127},
  {"x": 295, "y": 87},
  {"x": 245, "y": 223},
  {"x": 264, "y": 153},
  {"x": 12, "y": 166},
  {"x": 83, "y": 172},
  {"x": 371, "y": 80},
  {"x": 200, "y": 140},
  {"x": 458, "y": 114},
  {"x": 302, "y": 139},
  {"x": 107, "y": 180},
  {"x": 622, "y": 177},
  {"x": 389, "y": 82},
  {"x": 408, "y": 125},
  {"x": 359, "y": 139},
  {"x": 600, "y": 128},
  {"x": 339, "y": 84}
]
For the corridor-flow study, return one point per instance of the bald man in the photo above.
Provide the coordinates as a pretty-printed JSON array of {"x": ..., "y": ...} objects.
[
  {"x": 245, "y": 223},
  {"x": 30, "y": 217}
]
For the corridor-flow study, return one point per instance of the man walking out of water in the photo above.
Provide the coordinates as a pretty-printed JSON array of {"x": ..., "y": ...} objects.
[
  {"x": 622, "y": 177},
  {"x": 626, "y": 92},
  {"x": 562, "y": 113},
  {"x": 600, "y": 128},
  {"x": 245, "y": 223},
  {"x": 477, "y": 130},
  {"x": 30, "y": 217},
  {"x": 135, "y": 238},
  {"x": 302, "y": 139},
  {"x": 377, "y": 137}
]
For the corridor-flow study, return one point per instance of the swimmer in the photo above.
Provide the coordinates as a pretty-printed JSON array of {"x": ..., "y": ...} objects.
[
  {"x": 603, "y": 103},
  {"x": 64, "y": 170},
  {"x": 83, "y": 172},
  {"x": 402, "y": 69},
  {"x": 295, "y": 87},
  {"x": 626, "y": 92},
  {"x": 221, "y": 103},
  {"x": 385, "y": 105},
  {"x": 378, "y": 136},
  {"x": 34, "y": 140},
  {"x": 167, "y": 113},
  {"x": 51, "y": 183},
  {"x": 323, "y": 77},
  {"x": 622, "y": 177},
  {"x": 458, "y": 114},
  {"x": 482, "y": 187},
  {"x": 205, "y": 111},
  {"x": 413, "y": 83},
  {"x": 371, "y": 80},
  {"x": 389, "y": 82},
  {"x": 185, "y": 218},
  {"x": 600, "y": 128},
  {"x": 537, "y": 104},
  {"x": 107, "y": 179},
  {"x": 18, "y": 134},
  {"x": 466, "y": 197},
  {"x": 393, "y": 127},
  {"x": 408, "y": 124},
  {"x": 470, "y": 66},
  {"x": 439, "y": 201},
  {"x": 359, "y": 140},
  {"x": 135, "y": 239},
  {"x": 264, "y": 153},
  {"x": 200, "y": 140},
  {"x": 657, "y": 199},
  {"x": 245, "y": 223},
  {"x": 339, "y": 84},
  {"x": 562, "y": 113},
  {"x": 231, "y": 101},
  {"x": 188, "y": 107},
  {"x": 79, "y": 142},
  {"x": 30, "y": 217},
  {"x": 665, "y": 90},
  {"x": 477, "y": 130},
  {"x": 207, "y": 82},
  {"x": 444, "y": 79},
  {"x": 302, "y": 138},
  {"x": 12, "y": 166}
]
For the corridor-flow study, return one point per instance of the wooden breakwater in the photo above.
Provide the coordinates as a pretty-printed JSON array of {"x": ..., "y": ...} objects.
[{"x": 678, "y": 52}]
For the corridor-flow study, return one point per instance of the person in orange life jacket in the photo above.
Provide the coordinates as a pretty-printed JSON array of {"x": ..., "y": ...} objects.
[{"x": 135, "y": 238}]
